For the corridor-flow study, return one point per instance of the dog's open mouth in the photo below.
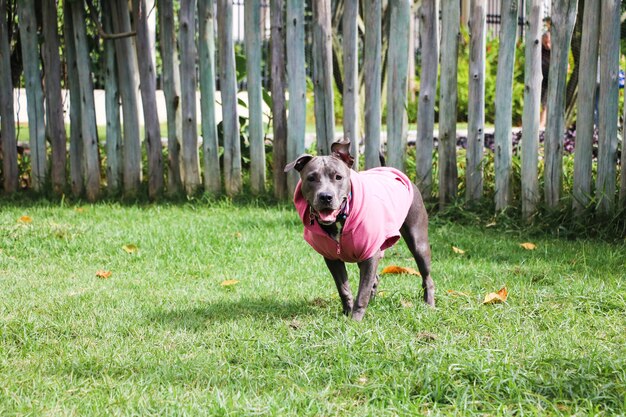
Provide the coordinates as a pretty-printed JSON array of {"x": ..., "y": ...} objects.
[{"x": 328, "y": 216}]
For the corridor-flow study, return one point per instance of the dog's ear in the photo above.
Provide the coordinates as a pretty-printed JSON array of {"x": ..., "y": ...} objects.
[
  {"x": 341, "y": 149},
  {"x": 299, "y": 163}
]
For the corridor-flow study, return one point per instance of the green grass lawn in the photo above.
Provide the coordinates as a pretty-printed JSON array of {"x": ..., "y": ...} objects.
[{"x": 161, "y": 336}]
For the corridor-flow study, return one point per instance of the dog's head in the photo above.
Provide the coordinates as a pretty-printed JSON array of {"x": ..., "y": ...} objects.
[{"x": 325, "y": 180}]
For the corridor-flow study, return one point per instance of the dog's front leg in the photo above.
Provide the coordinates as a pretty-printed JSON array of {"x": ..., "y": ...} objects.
[
  {"x": 340, "y": 275},
  {"x": 367, "y": 281}
]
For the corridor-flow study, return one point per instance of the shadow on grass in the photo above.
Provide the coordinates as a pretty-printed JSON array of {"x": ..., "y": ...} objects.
[{"x": 265, "y": 308}]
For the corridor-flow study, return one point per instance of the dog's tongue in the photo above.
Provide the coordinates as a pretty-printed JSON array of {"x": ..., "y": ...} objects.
[{"x": 328, "y": 216}]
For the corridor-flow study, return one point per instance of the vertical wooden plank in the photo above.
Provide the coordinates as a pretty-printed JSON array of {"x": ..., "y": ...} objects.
[
  {"x": 88, "y": 108},
  {"x": 190, "y": 160},
  {"x": 147, "y": 76},
  {"x": 296, "y": 70},
  {"x": 622, "y": 189},
  {"x": 448, "y": 174},
  {"x": 34, "y": 93},
  {"x": 206, "y": 49},
  {"x": 228, "y": 86},
  {"x": 411, "y": 70},
  {"x": 171, "y": 91},
  {"x": 323, "y": 76},
  {"x": 428, "y": 29},
  {"x": 372, "y": 66},
  {"x": 397, "y": 74},
  {"x": 351, "y": 129},
  {"x": 476, "y": 106},
  {"x": 279, "y": 110},
  {"x": 76, "y": 138},
  {"x": 7, "y": 115},
  {"x": 56, "y": 123},
  {"x": 586, "y": 101},
  {"x": 126, "y": 69},
  {"x": 532, "y": 102},
  {"x": 504, "y": 99},
  {"x": 252, "y": 19},
  {"x": 607, "y": 105},
  {"x": 112, "y": 105},
  {"x": 563, "y": 19}
]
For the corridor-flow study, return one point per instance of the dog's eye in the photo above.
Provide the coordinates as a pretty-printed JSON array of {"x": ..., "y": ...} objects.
[
  {"x": 311, "y": 178},
  {"x": 338, "y": 177}
]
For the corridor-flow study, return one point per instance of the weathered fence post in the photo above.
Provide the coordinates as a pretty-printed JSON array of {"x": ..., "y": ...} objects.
[
  {"x": 228, "y": 88},
  {"x": 429, "y": 22},
  {"x": 448, "y": 174},
  {"x": 126, "y": 69},
  {"x": 530, "y": 116},
  {"x": 56, "y": 124},
  {"x": 351, "y": 77},
  {"x": 476, "y": 106},
  {"x": 323, "y": 76},
  {"x": 411, "y": 67},
  {"x": 587, "y": 85},
  {"x": 34, "y": 93},
  {"x": 607, "y": 105},
  {"x": 206, "y": 49},
  {"x": 563, "y": 19},
  {"x": 397, "y": 73},
  {"x": 504, "y": 106},
  {"x": 171, "y": 91},
  {"x": 190, "y": 161},
  {"x": 296, "y": 67},
  {"x": 279, "y": 110},
  {"x": 252, "y": 35},
  {"x": 147, "y": 76},
  {"x": 7, "y": 116},
  {"x": 112, "y": 100},
  {"x": 76, "y": 139},
  {"x": 88, "y": 109},
  {"x": 372, "y": 66}
]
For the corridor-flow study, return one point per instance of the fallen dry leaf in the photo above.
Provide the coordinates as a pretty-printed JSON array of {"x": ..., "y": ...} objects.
[
  {"x": 492, "y": 224},
  {"x": 406, "y": 303},
  {"x": 455, "y": 293},
  {"x": 79, "y": 209},
  {"x": 426, "y": 336},
  {"x": 394, "y": 269},
  {"x": 130, "y": 248},
  {"x": 496, "y": 297},
  {"x": 362, "y": 380},
  {"x": 295, "y": 324},
  {"x": 103, "y": 274},
  {"x": 25, "y": 220},
  {"x": 229, "y": 282},
  {"x": 457, "y": 250},
  {"x": 528, "y": 246}
]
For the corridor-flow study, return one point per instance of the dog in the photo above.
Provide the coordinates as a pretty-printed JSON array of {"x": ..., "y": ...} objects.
[{"x": 351, "y": 216}]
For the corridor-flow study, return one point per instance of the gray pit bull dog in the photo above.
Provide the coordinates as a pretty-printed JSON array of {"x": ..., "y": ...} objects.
[{"x": 351, "y": 216}]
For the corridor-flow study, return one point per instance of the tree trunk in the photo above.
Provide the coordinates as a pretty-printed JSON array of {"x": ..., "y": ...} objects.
[
  {"x": 7, "y": 115},
  {"x": 54, "y": 100},
  {"x": 147, "y": 76},
  {"x": 397, "y": 73},
  {"x": 206, "y": 48},
  {"x": 351, "y": 128},
  {"x": 126, "y": 70},
  {"x": 171, "y": 91},
  {"x": 608, "y": 105},
  {"x": 504, "y": 106},
  {"x": 476, "y": 105},
  {"x": 429, "y": 22},
  {"x": 563, "y": 19},
  {"x": 532, "y": 102},
  {"x": 448, "y": 174},
  {"x": 373, "y": 76},
  {"x": 587, "y": 86},
  {"x": 190, "y": 162},
  {"x": 76, "y": 136},
  {"x": 112, "y": 100},
  {"x": 279, "y": 111},
  {"x": 34, "y": 93},
  {"x": 228, "y": 87},
  {"x": 323, "y": 77},
  {"x": 296, "y": 67},
  {"x": 252, "y": 12}
]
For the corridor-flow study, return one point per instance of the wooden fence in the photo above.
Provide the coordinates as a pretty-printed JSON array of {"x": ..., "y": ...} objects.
[{"x": 203, "y": 31}]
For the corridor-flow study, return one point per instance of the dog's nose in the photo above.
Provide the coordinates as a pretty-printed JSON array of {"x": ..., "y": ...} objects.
[{"x": 325, "y": 198}]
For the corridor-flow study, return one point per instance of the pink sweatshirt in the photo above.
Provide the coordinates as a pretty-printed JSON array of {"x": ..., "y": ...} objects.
[{"x": 381, "y": 198}]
